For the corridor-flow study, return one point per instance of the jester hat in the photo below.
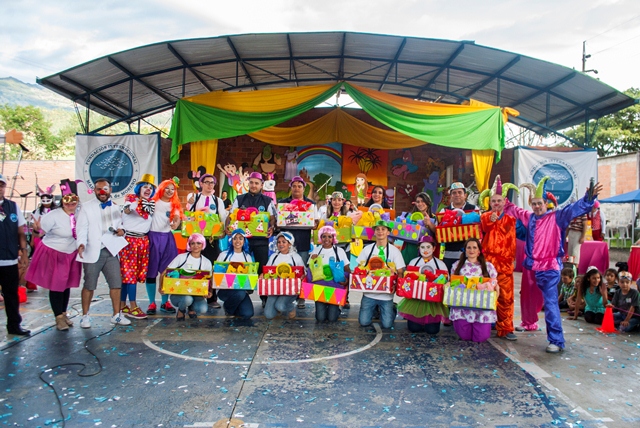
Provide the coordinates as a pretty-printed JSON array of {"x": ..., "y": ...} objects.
[
  {"x": 497, "y": 189},
  {"x": 539, "y": 191}
]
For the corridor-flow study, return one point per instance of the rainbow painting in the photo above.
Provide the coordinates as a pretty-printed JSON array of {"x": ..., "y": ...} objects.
[{"x": 326, "y": 158}]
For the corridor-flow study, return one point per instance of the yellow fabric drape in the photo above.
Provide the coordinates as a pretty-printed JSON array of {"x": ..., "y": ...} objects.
[
  {"x": 260, "y": 101},
  {"x": 336, "y": 126},
  {"x": 421, "y": 107},
  {"x": 482, "y": 162},
  {"x": 204, "y": 153},
  {"x": 506, "y": 111}
]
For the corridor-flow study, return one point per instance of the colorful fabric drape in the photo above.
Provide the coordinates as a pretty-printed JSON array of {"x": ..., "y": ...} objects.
[
  {"x": 476, "y": 126},
  {"x": 482, "y": 161}
]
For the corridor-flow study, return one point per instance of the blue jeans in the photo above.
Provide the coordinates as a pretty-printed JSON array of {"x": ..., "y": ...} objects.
[
  {"x": 387, "y": 312},
  {"x": 236, "y": 302},
  {"x": 618, "y": 317},
  {"x": 198, "y": 304},
  {"x": 275, "y": 304},
  {"x": 327, "y": 312}
]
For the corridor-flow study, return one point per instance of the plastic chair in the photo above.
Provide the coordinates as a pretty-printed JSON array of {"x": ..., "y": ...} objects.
[
  {"x": 623, "y": 234},
  {"x": 608, "y": 236}
]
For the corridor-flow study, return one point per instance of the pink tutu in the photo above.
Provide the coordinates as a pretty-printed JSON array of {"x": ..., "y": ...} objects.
[{"x": 53, "y": 269}]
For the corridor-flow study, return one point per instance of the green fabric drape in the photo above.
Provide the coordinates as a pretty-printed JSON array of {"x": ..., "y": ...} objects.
[
  {"x": 480, "y": 130},
  {"x": 194, "y": 122}
]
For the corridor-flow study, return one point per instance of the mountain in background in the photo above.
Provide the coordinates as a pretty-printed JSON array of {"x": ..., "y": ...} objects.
[{"x": 15, "y": 92}]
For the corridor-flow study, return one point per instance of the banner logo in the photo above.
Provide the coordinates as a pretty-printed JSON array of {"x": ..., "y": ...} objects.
[
  {"x": 562, "y": 181},
  {"x": 115, "y": 162}
]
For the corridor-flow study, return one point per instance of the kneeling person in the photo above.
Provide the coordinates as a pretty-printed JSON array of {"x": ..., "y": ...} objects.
[
  {"x": 382, "y": 248},
  {"x": 237, "y": 302}
]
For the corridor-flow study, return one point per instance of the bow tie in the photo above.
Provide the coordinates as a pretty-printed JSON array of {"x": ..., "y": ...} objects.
[{"x": 104, "y": 205}]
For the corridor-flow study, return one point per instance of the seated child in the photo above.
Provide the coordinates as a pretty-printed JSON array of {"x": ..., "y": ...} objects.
[
  {"x": 236, "y": 302},
  {"x": 571, "y": 301},
  {"x": 626, "y": 301},
  {"x": 567, "y": 287},
  {"x": 327, "y": 250},
  {"x": 611, "y": 279},
  {"x": 191, "y": 260}
]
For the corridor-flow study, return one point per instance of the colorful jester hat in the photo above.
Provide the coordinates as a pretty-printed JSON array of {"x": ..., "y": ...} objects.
[
  {"x": 497, "y": 189},
  {"x": 539, "y": 191}
]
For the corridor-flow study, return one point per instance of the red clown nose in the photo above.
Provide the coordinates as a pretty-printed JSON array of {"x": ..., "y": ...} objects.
[{"x": 102, "y": 192}]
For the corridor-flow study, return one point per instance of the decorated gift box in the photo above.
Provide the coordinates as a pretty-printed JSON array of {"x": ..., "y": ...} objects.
[
  {"x": 371, "y": 283},
  {"x": 300, "y": 215},
  {"x": 253, "y": 222},
  {"x": 235, "y": 275},
  {"x": 190, "y": 283},
  {"x": 280, "y": 280},
  {"x": 332, "y": 294},
  {"x": 463, "y": 297},
  {"x": 207, "y": 224},
  {"x": 411, "y": 232},
  {"x": 457, "y": 225},
  {"x": 426, "y": 286}
]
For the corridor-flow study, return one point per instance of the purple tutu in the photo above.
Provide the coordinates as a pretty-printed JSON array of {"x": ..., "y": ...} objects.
[{"x": 53, "y": 269}]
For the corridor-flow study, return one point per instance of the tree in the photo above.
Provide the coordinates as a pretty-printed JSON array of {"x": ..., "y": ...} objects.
[
  {"x": 613, "y": 134},
  {"x": 42, "y": 144}
]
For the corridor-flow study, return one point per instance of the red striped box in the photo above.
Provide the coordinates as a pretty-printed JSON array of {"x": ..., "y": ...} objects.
[
  {"x": 279, "y": 287},
  {"x": 458, "y": 233}
]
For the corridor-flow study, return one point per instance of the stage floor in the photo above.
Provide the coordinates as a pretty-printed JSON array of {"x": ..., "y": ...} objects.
[{"x": 285, "y": 373}]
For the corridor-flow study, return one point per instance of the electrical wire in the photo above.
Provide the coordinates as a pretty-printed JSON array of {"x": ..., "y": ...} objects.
[
  {"x": 82, "y": 365},
  {"x": 613, "y": 28}
]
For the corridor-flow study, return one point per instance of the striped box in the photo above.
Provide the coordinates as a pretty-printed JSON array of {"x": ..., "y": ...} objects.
[
  {"x": 421, "y": 290},
  {"x": 279, "y": 287},
  {"x": 373, "y": 284},
  {"x": 458, "y": 233},
  {"x": 463, "y": 297}
]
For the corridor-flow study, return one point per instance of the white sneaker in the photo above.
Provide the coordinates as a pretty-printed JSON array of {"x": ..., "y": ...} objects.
[
  {"x": 120, "y": 319},
  {"x": 85, "y": 321}
]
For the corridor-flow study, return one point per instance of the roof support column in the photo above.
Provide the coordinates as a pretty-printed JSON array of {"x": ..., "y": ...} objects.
[{"x": 88, "y": 110}]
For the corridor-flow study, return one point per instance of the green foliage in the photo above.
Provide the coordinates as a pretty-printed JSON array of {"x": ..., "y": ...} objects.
[
  {"x": 319, "y": 180},
  {"x": 341, "y": 187},
  {"x": 613, "y": 134}
]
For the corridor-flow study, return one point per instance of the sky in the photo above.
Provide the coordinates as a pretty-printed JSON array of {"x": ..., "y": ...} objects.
[{"x": 40, "y": 38}]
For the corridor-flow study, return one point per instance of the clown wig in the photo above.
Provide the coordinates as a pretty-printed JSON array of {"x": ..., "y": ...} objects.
[{"x": 176, "y": 207}]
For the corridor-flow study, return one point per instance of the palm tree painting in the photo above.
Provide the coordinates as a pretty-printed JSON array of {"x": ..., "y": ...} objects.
[
  {"x": 366, "y": 159},
  {"x": 362, "y": 160}
]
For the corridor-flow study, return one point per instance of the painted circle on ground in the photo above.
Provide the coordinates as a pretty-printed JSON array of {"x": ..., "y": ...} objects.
[{"x": 146, "y": 341}]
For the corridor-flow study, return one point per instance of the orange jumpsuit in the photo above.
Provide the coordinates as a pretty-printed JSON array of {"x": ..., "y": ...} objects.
[{"x": 499, "y": 248}]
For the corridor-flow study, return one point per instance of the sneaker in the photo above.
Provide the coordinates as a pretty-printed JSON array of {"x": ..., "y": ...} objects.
[
  {"x": 120, "y": 319},
  {"x": 347, "y": 305},
  {"x": 151, "y": 310},
  {"x": 301, "y": 304},
  {"x": 510, "y": 336},
  {"x": 166, "y": 307},
  {"x": 137, "y": 313},
  {"x": 553, "y": 349},
  {"x": 85, "y": 321},
  {"x": 520, "y": 328},
  {"x": 215, "y": 305},
  {"x": 125, "y": 310}
]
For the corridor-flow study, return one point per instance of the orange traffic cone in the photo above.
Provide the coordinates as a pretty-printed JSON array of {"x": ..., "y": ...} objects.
[{"x": 607, "y": 322}]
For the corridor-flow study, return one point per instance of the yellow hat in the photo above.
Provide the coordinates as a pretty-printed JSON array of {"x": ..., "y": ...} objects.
[{"x": 147, "y": 178}]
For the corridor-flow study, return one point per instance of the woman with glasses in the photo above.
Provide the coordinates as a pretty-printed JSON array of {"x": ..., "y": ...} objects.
[{"x": 54, "y": 264}]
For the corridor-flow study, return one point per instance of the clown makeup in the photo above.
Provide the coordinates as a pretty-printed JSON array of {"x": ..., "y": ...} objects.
[
  {"x": 283, "y": 245},
  {"x": 497, "y": 203},
  {"x": 146, "y": 190},
  {"x": 168, "y": 192},
  {"x": 426, "y": 250},
  {"x": 102, "y": 191}
]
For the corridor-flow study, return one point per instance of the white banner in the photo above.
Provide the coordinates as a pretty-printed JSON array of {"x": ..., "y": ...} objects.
[
  {"x": 122, "y": 159},
  {"x": 569, "y": 172}
]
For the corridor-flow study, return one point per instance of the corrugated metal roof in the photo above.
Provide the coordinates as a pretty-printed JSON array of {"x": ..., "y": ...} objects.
[{"x": 150, "y": 79}]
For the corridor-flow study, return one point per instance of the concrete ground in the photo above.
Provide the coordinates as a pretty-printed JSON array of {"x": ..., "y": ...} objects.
[{"x": 160, "y": 372}]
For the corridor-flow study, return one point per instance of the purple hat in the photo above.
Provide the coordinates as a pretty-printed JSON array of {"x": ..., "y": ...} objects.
[
  {"x": 428, "y": 238},
  {"x": 206, "y": 176},
  {"x": 257, "y": 176},
  {"x": 299, "y": 180}
]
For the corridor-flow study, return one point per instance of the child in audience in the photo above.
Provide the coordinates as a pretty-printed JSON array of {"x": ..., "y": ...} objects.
[
  {"x": 625, "y": 300},
  {"x": 573, "y": 298},
  {"x": 567, "y": 287},
  {"x": 611, "y": 279},
  {"x": 594, "y": 291}
]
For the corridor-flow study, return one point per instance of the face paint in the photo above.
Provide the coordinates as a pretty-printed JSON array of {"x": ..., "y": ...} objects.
[{"x": 426, "y": 250}]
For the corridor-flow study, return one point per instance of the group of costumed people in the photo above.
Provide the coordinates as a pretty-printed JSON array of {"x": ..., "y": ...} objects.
[{"x": 149, "y": 216}]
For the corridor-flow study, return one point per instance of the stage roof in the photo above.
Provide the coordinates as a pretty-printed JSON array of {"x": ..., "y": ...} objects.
[{"x": 146, "y": 80}]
